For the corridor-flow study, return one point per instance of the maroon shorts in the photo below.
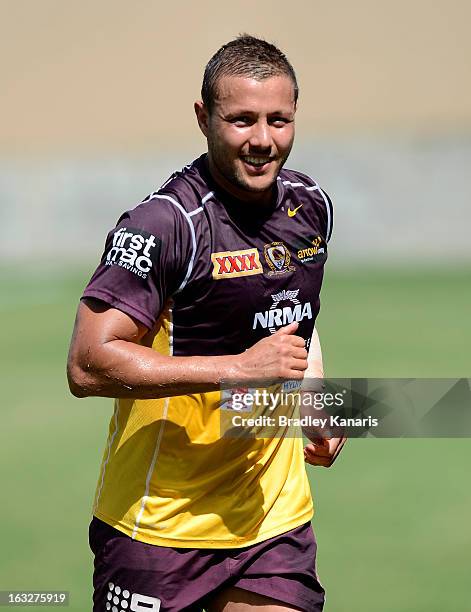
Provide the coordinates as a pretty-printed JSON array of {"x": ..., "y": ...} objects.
[{"x": 132, "y": 576}]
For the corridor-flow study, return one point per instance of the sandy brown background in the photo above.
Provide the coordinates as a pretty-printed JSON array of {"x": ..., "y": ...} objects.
[{"x": 121, "y": 76}]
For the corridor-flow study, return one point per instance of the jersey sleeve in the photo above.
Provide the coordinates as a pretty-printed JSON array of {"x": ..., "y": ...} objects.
[
  {"x": 146, "y": 259},
  {"x": 327, "y": 214}
]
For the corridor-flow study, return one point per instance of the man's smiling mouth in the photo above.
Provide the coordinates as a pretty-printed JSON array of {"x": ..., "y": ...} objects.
[{"x": 256, "y": 162}]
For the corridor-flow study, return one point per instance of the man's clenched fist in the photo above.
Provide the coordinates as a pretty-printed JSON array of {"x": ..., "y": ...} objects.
[{"x": 281, "y": 356}]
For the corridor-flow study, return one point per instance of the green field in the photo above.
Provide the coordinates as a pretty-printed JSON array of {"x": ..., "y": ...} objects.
[{"x": 393, "y": 516}]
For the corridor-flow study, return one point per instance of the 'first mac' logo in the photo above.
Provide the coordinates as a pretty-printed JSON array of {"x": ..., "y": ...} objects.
[
  {"x": 134, "y": 250},
  {"x": 232, "y": 264}
]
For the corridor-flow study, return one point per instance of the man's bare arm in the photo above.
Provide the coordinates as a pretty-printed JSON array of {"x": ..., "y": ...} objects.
[
  {"x": 315, "y": 364},
  {"x": 321, "y": 451},
  {"x": 109, "y": 357}
]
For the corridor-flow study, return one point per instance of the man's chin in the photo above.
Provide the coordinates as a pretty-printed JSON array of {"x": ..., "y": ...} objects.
[{"x": 258, "y": 184}]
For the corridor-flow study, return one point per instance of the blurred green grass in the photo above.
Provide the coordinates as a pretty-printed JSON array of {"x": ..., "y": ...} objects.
[{"x": 392, "y": 516}]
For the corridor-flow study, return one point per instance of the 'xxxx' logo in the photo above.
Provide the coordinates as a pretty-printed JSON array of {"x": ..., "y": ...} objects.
[{"x": 232, "y": 264}]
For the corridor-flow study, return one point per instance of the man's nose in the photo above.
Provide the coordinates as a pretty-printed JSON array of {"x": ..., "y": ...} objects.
[{"x": 261, "y": 136}]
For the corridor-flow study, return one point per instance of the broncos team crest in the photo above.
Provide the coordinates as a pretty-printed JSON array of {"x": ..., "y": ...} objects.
[{"x": 278, "y": 258}]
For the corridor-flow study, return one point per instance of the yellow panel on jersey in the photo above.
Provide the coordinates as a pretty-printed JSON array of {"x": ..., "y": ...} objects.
[{"x": 168, "y": 478}]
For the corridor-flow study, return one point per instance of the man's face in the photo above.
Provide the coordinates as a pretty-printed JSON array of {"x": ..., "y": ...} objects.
[{"x": 250, "y": 132}]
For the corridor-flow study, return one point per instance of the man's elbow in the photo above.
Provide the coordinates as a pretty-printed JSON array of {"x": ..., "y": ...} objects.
[{"x": 80, "y": 382}]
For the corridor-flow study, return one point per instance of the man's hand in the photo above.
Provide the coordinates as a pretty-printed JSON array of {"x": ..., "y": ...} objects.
[
  {"x": 281, "y": 356},
  {"x": 323, "y": 451}
]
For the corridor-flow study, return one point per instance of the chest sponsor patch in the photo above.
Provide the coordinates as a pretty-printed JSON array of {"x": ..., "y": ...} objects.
[
  {"x": 285, "y": 309},
  {"x": 133, "y": 249},
  {"x": 232, "y": 264},
  {"x": 314, "y": 252}
]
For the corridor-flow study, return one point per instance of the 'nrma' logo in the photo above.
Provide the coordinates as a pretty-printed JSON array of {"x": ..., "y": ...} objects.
[{"x": 277, "y": 317}]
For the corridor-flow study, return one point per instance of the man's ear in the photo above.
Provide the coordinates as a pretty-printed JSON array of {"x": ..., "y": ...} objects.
[{"x": 201, "y": 113}]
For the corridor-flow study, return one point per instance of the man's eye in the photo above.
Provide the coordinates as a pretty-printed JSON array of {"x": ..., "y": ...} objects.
[
  {"x": 279, "y": 121},
  {"x": 240, "y": 121}
]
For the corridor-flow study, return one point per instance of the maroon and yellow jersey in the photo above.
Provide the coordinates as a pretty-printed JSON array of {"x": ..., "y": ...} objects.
[{"x": 208, "y": 275}]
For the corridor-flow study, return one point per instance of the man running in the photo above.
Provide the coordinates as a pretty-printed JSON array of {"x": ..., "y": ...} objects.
[{"x": 211, "y": 280}]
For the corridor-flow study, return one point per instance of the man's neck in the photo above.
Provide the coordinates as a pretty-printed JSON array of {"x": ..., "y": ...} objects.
[{"x": 261, "y": 199}]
